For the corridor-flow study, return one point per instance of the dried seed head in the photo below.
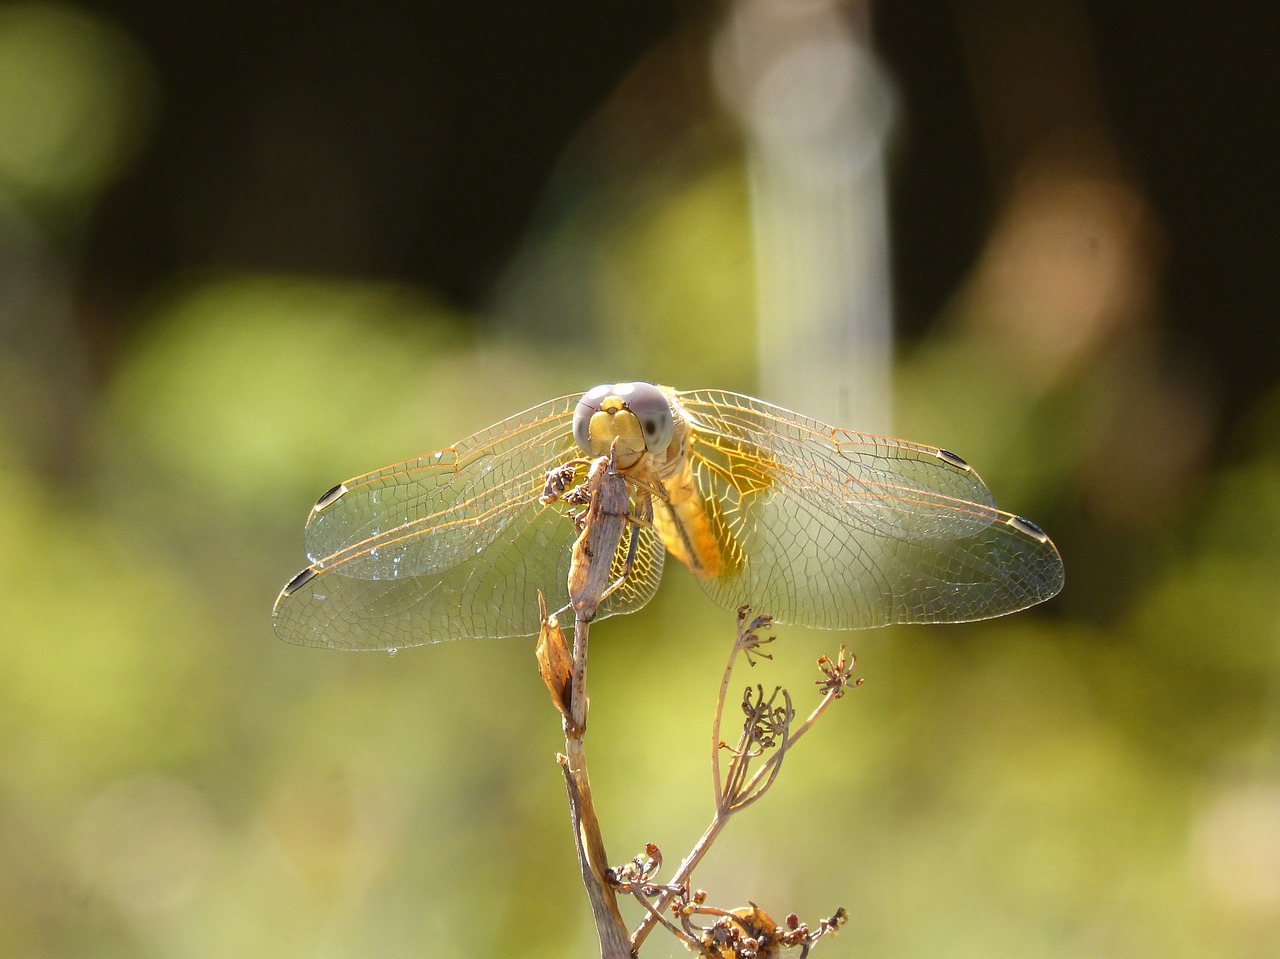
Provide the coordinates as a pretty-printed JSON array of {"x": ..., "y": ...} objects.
[
  {"x": 837, "y": 676},
  {"x": 749, "y": 639},
  {"x": 766, "y": 723}
]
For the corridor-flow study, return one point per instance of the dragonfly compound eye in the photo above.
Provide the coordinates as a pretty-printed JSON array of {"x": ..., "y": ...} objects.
[
  {"x": 652, "y": 409},
  {"x": 588, "y": 407}
]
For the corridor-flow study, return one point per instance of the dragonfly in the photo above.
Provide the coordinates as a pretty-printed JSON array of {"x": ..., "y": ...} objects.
[{"x": 818, "y": 526}]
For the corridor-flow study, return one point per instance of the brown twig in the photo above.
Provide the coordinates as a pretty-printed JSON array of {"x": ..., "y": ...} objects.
[
  {"x": 603, "y": 523},
  {"x": 592, "y": 859}
]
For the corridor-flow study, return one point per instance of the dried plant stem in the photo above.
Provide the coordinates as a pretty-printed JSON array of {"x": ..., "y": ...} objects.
[
  {"x": 602, "y": 523},
  {"x": 592, "y": 859},
  {"x": 716, "y": 781}
]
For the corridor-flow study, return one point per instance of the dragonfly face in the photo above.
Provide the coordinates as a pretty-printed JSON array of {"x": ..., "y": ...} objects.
[
  {"x": 637, "y": 417},
  {"x": 815, "y": 525}
]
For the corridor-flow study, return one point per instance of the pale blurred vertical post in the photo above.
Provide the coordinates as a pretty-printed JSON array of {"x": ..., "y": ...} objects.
[{"x": 816, "y": 110}]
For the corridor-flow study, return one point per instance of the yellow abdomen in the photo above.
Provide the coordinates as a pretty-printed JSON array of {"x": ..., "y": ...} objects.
[{"x": 693, "y": 530}]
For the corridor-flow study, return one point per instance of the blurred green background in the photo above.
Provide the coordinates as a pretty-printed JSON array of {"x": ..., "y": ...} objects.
[{"x": 248, "y": 251}]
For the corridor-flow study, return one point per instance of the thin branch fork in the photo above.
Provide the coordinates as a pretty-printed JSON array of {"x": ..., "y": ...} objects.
[{"x": 734, "y": 791}]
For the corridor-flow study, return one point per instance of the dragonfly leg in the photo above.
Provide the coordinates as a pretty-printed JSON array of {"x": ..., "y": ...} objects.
[{"x": 560, "y": 487}]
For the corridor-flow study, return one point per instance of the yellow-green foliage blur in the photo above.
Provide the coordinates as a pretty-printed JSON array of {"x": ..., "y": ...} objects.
[{"x": 1096, "y": 778}]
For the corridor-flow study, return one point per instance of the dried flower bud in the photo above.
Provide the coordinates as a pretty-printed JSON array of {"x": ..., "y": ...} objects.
[{"x": 555, "y": 660}]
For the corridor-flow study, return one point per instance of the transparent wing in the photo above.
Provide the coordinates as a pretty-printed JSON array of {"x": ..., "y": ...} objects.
[
  {"x": 830, "y": 528},
  {"x": 450, "y": 545}
]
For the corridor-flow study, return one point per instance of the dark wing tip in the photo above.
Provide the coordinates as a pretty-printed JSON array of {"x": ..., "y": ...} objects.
[
  {"x": 1024, "y": 525},
  {"x": 330, "y": 497},
  {"x": 300, "y": 580},
  {"x": 952, "y": 459}
]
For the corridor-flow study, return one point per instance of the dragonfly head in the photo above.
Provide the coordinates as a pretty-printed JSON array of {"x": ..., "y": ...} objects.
[{"x": 637, "y": 416}]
